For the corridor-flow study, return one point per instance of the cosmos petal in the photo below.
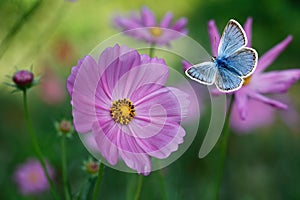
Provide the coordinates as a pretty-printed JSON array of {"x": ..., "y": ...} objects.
[
  {"x": 83, "y": 95},
  {"x": 241, "y": 101},
  {"x": 214, "y": 37},
  {"x": 277, "y": 81},
  {"x": 248, "y": 30},
  {"x": 148, "y": 17},
  {"x": 180, "y": 25},
  {"x": 138, "y": 78},
  {"x": 185, "y": 65},
  {"x": 166, "y": 21},
  {"x": 72, "y": 77},
  {"x": 137, "y": 161},
  {"x": 106, "y": 142},
  {"x": 116, "y": 65},
  {"x": 266, "y": 100},
  {"x": 125, "y": 23},
  {"x": 113, "y": 142},
  {"x": 165, "y": 102},
  {"x": 165, "y": 142}
]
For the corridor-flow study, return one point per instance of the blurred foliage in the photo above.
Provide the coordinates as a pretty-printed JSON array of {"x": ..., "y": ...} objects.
[{"x": 55, "y": 34}]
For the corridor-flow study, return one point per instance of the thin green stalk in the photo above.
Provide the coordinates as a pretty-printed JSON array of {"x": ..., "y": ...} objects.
[
  {"x": 64, "y": 168},
  {"x": 36, "y": 145},
  {"x": 223, "y": 149},
  {"x": 98, "y": 183},
  {"x": 151, "y": 50},
  {"x": 162, "y": 184},
  {"x": 138, "y": 188},
  {"x": 78, "y": 195}
]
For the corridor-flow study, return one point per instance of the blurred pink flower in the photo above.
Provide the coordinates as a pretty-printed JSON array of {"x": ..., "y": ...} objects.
[
  {"x": 290, "y": 116},
  {"x": 254, "y": 120},
  {"x": 52, "y": 90},
  {"x": 64, "y": 51},
  {"x": 122, "y": 100},
  {"x": 260, "y": 83},
  {"x": 146, "y": 28},
  {"x": 30, "y": 177}
]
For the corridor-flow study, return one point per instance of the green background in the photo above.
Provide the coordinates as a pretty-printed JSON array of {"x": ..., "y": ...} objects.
[{"x": 261, "y": 165}]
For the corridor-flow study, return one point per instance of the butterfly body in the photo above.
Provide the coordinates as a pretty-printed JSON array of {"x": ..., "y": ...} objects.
[
  {"x": 233, "y": 63},
  {"x": 223, "y": 63}
]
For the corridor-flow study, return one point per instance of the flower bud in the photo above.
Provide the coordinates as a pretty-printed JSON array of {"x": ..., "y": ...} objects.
[
  {"x": 64, "y": 127},
  {"x": 23, "y": 78},
  {"x": 91, "y": 167}
]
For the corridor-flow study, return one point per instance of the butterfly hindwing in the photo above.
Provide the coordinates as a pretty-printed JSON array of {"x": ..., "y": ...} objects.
[
  {"x": 227, "y": 81},
  {"x": 233, "y": 38},
  {"x": 243, "y": 61},
  {"x": 204, "y": 73}
]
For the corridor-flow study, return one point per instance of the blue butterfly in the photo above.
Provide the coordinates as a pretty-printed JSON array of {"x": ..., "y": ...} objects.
[{"x": 234, "y": 62}]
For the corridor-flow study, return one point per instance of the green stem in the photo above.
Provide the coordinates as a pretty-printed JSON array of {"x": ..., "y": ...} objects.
[
  {"x": 79, "y": 193},
  {"x": 36, "y": 145},
  {"x": 98, "y": 183},
  {"x": 223, "y": 149},
  {"x": 138, "y": 188},
  {"x": 162, "y": 184},
  {"x": 64, "y": 168},
  {"x": 151, "y": 50}
]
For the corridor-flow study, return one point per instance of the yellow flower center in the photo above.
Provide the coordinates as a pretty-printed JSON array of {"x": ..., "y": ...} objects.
[
  {"x": 122, "y": 111},
  {"x": 247, "y": 80},
  {"x": 155, "y": 31}
]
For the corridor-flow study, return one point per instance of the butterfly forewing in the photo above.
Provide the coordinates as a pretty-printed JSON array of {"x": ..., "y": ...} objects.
[
  {"x": 244, "y": 61},
  {"x": 233, "y": 38},
  {"x": 227, "y": 81},
  {"x": 204, "y": 73}
]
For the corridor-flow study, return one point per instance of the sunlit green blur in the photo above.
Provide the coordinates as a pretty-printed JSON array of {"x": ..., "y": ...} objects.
[{"x": 51, "y": 35}]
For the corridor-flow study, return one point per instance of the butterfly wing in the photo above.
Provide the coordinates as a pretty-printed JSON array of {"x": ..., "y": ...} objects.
[
  {"x": 233, "y": 38},
  {"x": 204, "y": 73},
  {"x": 243, "y": 61},
  {"x": 226, "y": 81}
]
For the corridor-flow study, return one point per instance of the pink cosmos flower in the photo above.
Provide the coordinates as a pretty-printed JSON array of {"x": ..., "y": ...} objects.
[
  {"x": 260, "y": 83},
  {"x": 146, "y": 28},
  {"x": 30, "y": 177},
  {"x": 122, "y": 100}
]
